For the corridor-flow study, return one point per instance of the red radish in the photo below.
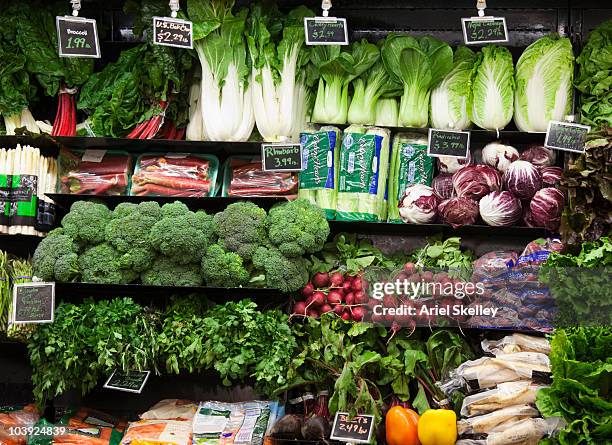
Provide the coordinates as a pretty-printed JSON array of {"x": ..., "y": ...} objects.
[
  {"x": 318, "y": 299},
  {"x": 410, "y": 268},
  {"x": 299, "y": 308},
  {"x": 312, "y": 313},
  {"x": 357, "y": 283},
  {"x": 346, "y": 316},
  {"x": 339, "y": 309},
  {"x": 320, "y": 280},
  {"x": 336, "y": 279},
  {"x": 334, "y": 298},
  {"x": 414, "y": 278},
  {"x": 402, "y": 276},
  {"x": 309, "y": 302},
  {"x": 358, "y": 313},
  {"x": 349, "y": 299},
  {"x": 389, "y": 301},
  {"x": 372, "y": 302},
  {"x": 347, "y": 286},
  {"x": 360, "y": 297},
  {"x": 308, "y": 290},
  {"x": 326, "y": 308},
  {"x": 377, "y": 318}
]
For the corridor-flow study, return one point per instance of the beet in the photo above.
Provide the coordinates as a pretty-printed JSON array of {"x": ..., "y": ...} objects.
[
  {"x": 347, "y": 286},
  {"x": 316, "y": 428},
  {"x": 346, "y": 316},
  {"x": 288, "y": 427},
  {"x": 339, "y": 309},
  {"x": 360, "y": 297},
  {"x": 358, "y": 313}
]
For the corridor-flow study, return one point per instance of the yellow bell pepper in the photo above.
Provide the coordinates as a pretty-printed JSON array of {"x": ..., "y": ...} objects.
[{"x": 438, "y": 427}]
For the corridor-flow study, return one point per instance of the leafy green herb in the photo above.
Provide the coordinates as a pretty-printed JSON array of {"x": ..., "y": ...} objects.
[{"x": 445, "y": 254}]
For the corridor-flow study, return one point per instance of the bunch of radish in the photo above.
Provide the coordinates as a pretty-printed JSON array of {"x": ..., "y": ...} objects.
[{"x": 342, "y": 294}]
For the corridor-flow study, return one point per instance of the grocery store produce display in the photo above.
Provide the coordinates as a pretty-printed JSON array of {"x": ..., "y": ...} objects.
[{"x": 260, "y": 304}]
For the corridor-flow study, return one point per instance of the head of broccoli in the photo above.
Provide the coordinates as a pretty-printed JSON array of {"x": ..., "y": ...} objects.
[
  {"x": 183, "y": 238},
  {"x": 221, "y": 268},
  {"x": 52, "y": 260},
  {"x": 297, "y": 227},
  {"x": 241, "y": 228},
  {"x": 124, "y": 209},
  {"x": 103, "y": 264},
  {"x": 281, "y": 272},
  {"x": 129, "y": 234},
  {"x": 165, "y": 272},
  {"x": 86, "y": 222},
  {"x": 173, "y": 209}
]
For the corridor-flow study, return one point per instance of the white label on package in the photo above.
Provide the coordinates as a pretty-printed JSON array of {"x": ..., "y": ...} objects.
[{"x": 93, "y": 155}]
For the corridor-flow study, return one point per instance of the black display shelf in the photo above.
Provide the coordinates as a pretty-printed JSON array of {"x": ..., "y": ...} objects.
[
  {"x": 194, "y": 203},
  {"x": 19, "y": 245},
  {"x": 477, "y": 230},
  {"x": 77, "y": 292}
]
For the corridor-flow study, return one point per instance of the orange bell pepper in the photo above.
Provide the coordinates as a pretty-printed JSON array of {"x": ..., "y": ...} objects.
[{"x": 401, "y": 426}]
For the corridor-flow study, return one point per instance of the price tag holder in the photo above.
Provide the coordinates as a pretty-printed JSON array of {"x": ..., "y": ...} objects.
[
  {"x": 33, "y": 303},
  {"x": 451, "y": 143},
  {"x": 356, "y": 430},
  {"x": 481, "y": 30},
  {"x": 77, "y": 37},
  {"x": 566, "y": 136},
  {"x": 133, "y": 381},
  {"x": 325, "y": 31},
  {"x": 281, "y": 157},
  {"x": 172, "y": 32}
]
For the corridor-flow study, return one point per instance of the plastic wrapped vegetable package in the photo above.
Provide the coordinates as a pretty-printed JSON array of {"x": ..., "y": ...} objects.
[
  {"x": 319, "y": 179},
  {"x": 85, "y": 172},
  {"x": 244, "y": 176},
  {"x": 364, "y": 167},
  {"x": 409, "y": 165},
  {"x": 175, "y": 174}
]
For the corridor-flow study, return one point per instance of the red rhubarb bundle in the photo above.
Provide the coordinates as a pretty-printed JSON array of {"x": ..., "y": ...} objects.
[
  {"x": 173, "y": 175},
  {"x": 247, "y": 178},
  {"x": 81, "y": 176}
]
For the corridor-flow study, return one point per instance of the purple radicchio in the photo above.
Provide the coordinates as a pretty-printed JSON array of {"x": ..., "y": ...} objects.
[
  {"x": 545, "y": 209},
  {"x": 499, "y": 155},
  {"x": 522, "y": 179},
  {"x": 539, "y": 156},
  {"x": 442, "y": 186},
  {"x": 476, "y": 181},
  {"x": 459, "y": 211},
  {"x": 450, "y": 164},
  {"x": 418, "y": 205},
  {"x": 551, "y": 176},
  {"x": 500, "y": 209}
]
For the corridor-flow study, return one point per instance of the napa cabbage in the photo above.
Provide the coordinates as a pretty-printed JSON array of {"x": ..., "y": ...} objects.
[
  {"x": 449, "y": 99},
  {"x": 491, "y": 103},
  {"x": 419, "y": 64},
  {"x": 544, "y": 75}
]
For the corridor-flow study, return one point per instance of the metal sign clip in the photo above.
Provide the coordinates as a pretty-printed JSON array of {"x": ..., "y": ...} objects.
[
  {"x": 76, "y": 7},
  {"x": 174, "y": 7},
  {"x": 481, "y": 5},
  {"x": 326, "y": 6}
]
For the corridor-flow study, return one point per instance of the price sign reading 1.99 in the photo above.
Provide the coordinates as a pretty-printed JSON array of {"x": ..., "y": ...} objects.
[
  {"x": 566, "y": 136},
  {"x": 77, "y": 37},
  {"x": 281, "y": 157}
]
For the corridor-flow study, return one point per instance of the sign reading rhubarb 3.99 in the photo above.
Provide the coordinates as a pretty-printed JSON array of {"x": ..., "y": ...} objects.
[{"x": 77, "y": 37}]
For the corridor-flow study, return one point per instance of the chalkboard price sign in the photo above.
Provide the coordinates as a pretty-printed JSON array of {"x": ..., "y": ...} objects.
[
  {"x": 133, "y": 381},
  {"x": 172, "y": 32},
  {"x": 566, "y": 136},
  {"x": 77, "y": 37},
  {"x": 281, "y": 157},
  {"x": 356, "y": 430},
  {"x": 480, "y": 30},
  {"x": 325, "y": 31},
  {"x": 33, "y": 303},
  {"x": 453, "y": 143}
]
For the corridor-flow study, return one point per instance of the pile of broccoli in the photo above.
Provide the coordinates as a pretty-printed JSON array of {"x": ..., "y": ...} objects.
[{"x": 171, "y": 245}]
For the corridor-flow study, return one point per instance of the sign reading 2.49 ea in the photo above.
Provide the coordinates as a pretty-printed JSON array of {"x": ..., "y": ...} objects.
[
  {"x": 77, "y": 37},
  {"x": 33, "y": 303},
  {"x": 172, "y": 32},
  {"x": 281, "y": 157}
]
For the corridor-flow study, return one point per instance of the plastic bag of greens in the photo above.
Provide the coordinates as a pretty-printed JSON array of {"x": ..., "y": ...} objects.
[
  {"x": 319, "y": 179},
  {"x": 409, "y": 165},
  {"x": 364, "y": 168}
]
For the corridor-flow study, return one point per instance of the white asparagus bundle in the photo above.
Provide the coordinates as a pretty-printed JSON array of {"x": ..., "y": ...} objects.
[{"x": 4, "y": 171}]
